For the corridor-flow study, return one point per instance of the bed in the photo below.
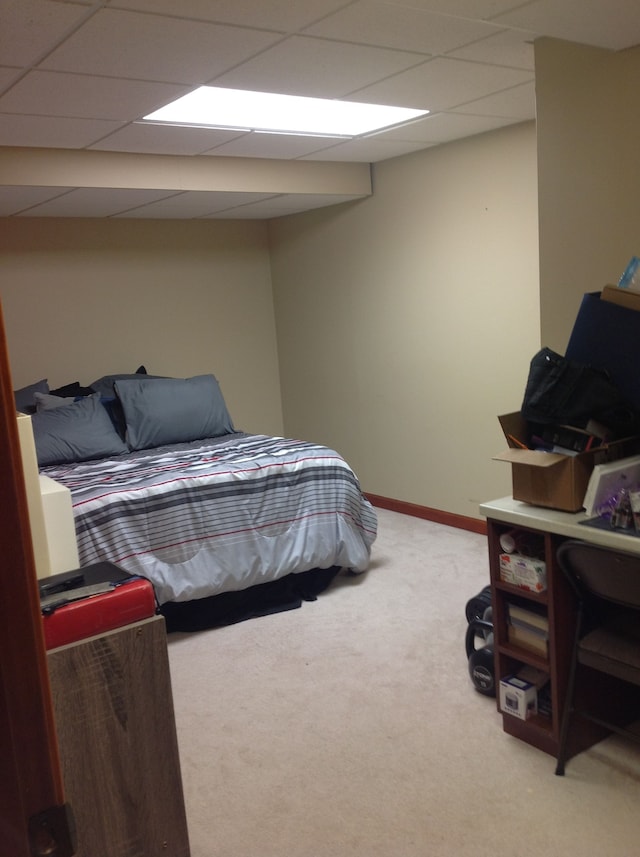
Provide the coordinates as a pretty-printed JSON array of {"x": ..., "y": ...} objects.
[{"x": 163, "y": 485}]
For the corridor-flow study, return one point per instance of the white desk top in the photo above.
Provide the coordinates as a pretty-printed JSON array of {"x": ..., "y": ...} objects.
[{"x": 511, "y": 511}]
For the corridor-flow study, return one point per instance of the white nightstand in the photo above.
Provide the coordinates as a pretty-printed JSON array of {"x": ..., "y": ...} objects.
[
  {"x": 53, "y": 532},
  {"x": 59, "y": 527}
]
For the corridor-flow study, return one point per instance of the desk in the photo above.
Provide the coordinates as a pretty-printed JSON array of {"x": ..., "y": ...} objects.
[
  {"x": 551, "y": 528},
  {"x": 510, "y": 511}
]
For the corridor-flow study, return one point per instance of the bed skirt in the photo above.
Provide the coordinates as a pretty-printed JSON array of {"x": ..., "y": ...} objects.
[{"x": 227, "y": 608}]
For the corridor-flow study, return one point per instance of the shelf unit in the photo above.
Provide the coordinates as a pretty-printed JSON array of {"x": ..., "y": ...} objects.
[
  {"x": 541, "y": 730},
  {"x": 551, "y": 528}
]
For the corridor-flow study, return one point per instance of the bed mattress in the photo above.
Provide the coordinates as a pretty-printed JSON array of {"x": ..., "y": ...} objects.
[{"x": 220, "y": 515}]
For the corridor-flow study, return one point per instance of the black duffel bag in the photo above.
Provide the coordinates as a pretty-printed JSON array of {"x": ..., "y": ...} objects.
[{"x": 560, "y": 391}]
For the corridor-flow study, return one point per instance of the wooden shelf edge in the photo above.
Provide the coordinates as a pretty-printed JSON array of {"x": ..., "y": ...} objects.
[{"x": 525, "y": 657}]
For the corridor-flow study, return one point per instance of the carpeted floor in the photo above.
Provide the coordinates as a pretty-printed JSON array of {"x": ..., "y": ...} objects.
[{"x": 349, "y": 728}]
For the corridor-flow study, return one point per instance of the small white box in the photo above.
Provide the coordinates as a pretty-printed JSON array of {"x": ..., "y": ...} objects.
[
  {"x": 518, "y": 697},
  {"x": 523, "y": 571}
]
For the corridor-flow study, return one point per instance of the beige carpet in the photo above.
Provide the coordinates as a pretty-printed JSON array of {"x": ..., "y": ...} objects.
[{"x": 350, "y": 728}]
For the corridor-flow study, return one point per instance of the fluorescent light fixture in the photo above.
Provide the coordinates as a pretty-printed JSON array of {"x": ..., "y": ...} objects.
[{"x": 214, "y": 107}]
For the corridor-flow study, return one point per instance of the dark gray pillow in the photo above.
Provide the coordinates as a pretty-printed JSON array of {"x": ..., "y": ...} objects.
[
  {"x": 25, "y": 396},
  {"x": 75, "y": 432},
  {"x": 172, "y": 410}
]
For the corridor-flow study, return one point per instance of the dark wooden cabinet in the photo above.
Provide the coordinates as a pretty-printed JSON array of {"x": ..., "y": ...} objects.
[{"x": 118, "y": 746}]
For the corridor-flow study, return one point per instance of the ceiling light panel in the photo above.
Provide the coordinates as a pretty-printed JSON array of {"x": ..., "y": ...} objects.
[{"x": 215, "y": 107}]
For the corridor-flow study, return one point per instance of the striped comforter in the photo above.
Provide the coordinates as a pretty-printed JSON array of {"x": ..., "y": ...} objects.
[{"x": 221, "y": 514}]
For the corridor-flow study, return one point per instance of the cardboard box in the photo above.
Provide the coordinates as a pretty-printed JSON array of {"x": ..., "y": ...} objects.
[
  {"x": 623, "y": 297},
  {"x": 548, "y": 478},
  {"x": 523, "y": 571},
  {"x": 518, "y": 697}
]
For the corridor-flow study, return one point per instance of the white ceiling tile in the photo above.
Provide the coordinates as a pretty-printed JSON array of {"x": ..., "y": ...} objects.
[
  {"x": 8, "y": 76},
  {"x": 163, "y": 139},
  {"x": 244, "y": 212},
  {"x": 50, "y": 93},
  {"x": 480, "y": 9},
  {"x": 29, "y": 27},
  {"x": 368, "y": 149},
  {"x": 52, "y": 131},
  {"x": 95, "y": 202},
  {"x": 304, "y": 201},
  {"x": 468, "y": 61},
  {"x": 307, "y": 66},
  {"x": 149, "y": 47},
  {"x": 375, "y": 22},
  {"x": 441, "y": 84},
  {"x": 14, "y": 199},
  {"x": 282, "y": 15},
  {"x": 513, "y": 48},
  {"x": 519, "y": 102},
  {"x": 443, "y": 127},
  {"x": 281, "y": 206},
  {"x": 282, "y": 146},
  {"x": 453, "y": 126},
  {"x": 611, "y": 24},
  {"x": 193, "y": 204}
]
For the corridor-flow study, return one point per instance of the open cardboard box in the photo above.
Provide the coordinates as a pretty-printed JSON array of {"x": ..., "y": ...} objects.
[
  {"x": 548, "y": 478},
  {"x": 623, "y": 297}
]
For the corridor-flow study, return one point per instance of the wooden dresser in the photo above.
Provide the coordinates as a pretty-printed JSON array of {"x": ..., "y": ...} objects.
[{"x": 118, "y": 746}]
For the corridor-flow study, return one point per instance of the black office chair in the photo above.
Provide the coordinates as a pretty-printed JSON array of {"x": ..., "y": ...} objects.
[{"x": 607, "y": 637}]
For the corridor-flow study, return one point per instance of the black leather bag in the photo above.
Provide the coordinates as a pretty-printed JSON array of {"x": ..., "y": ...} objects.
[{"x": 560, "y": 391}]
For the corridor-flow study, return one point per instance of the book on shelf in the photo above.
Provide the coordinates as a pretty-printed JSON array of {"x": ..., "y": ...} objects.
[
  {"x": 527, "y": 618},
  {"x": 531, "y": 641},
  {"x": 544, "y": 702}
]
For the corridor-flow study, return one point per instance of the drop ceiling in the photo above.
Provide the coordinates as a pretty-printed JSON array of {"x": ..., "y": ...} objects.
[{"x": 76, "y": 76}]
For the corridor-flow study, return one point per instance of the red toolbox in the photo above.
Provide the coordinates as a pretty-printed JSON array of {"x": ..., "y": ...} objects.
[{"x": 91, "y": 600}]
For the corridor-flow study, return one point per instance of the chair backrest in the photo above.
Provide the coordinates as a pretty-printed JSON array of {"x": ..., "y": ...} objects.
[{"x": 602, "y": 572}]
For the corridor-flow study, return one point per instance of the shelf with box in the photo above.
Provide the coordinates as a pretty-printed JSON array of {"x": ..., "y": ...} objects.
[
  {"x": 526, "y": 590},
  {"x": 578, "y": 421},
  {"x": 554, "y": 609},
  {"x": 527, "y": 628}
]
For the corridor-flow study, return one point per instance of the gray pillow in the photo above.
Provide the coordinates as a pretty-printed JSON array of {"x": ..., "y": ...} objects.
[
  {"x": 44, "y": 401},
  {"x": 172, "y": 410},
  {"x": 25, "y": 401},
  {"x": 75, "y": 432},
  {"x": 105, "y": 384}
]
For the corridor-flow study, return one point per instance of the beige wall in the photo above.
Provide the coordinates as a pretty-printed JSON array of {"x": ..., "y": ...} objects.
[
  {"x": 82, "y": 298},
  {"x": 406, "y": 321},
  {"x": 588, "y": 128},
  {"x": 407, "y": 318}
]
